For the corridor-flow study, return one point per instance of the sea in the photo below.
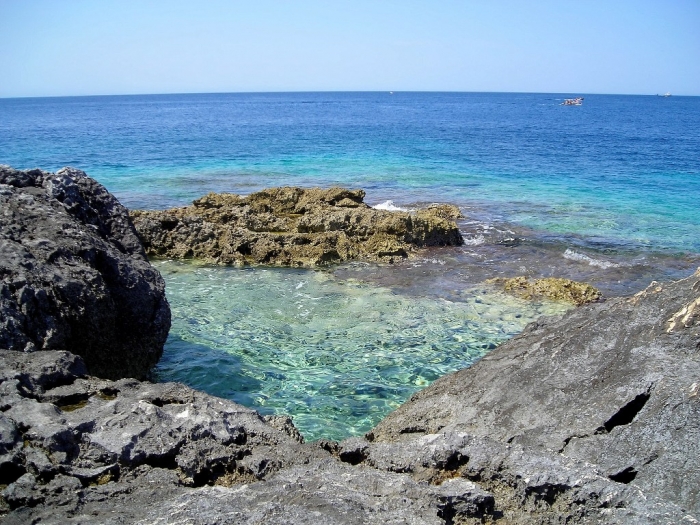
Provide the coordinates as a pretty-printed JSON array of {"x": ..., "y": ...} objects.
[{"x": 607, "y": 193}]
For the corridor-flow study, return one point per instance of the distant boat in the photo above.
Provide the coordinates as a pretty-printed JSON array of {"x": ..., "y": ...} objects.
[
  {"x": 391, "y": 92},
  {"x": 667, "y": 94},
  {"x": 578, "y": 101}
]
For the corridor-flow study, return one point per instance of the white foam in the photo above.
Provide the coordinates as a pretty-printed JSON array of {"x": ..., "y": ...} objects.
[
  {"x": 474, "y": 241},
  {"x": 575, "y": 256},
  {"x": 388, "y": 206}
]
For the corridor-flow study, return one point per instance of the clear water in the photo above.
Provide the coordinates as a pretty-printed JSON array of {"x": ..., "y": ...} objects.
[
  {"x": 605, "y": 193},
  {"x": 622, "y": 169},
  {"x": 337, "y": 354}
]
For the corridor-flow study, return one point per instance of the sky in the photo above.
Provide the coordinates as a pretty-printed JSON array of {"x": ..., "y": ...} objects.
[{"x": 102, "y": 47}]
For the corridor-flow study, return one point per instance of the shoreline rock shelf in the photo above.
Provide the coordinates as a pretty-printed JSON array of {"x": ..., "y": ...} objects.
[
  {"x": 592, "y": 417},
  {"x": 293, "y": 227}
]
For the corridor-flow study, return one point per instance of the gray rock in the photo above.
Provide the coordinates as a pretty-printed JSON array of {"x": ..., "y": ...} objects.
[
  {"x": 74, "y": 276},
  {"x": 131, "y": 451},
  {"x": 613, "y": 386},
  {"x": 93, "y": 433},
  {"x": 322, "y": 491}
]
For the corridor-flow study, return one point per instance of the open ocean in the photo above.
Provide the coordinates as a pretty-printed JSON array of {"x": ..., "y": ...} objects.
[{"x": 607, "y": 193}]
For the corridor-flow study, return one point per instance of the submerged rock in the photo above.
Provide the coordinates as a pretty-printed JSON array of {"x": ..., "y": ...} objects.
[
  {"x": 293, "y": 227},
  {"x": 74, "y": 276},
  {"x": 554, "y": 288}
]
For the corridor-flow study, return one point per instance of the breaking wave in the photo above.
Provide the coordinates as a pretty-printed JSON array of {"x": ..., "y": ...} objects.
[
  {"x": 388, "y": 206},
  {"x": 576, "y": 256},
  {"x": 474, "y": 241}
]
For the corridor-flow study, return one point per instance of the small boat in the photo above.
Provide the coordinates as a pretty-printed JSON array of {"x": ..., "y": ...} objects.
[
  {"x": 578, "y": 101},
  {"x": 667, "y": 94}
]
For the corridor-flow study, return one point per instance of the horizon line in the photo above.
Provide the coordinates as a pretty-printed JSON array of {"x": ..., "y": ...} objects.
[{"x": 272, "y": 92}]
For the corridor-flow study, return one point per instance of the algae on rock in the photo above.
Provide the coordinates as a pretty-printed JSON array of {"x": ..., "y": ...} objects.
[
  {"x": 551, "y": 287},
  {"x": 293, "y": 227}
]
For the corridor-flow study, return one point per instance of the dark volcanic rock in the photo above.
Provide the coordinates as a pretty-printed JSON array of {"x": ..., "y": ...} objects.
[
  {"x": 74, "y": 276},
  {"x": 293, "y": 227},
  {"x": 593, "y": 417}
]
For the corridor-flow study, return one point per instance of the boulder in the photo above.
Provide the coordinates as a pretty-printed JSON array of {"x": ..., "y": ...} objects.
[
  {"x": 554, "y": 288},
  {"x": 293, "y": 227},
  {"x": 74, "y": 276}
]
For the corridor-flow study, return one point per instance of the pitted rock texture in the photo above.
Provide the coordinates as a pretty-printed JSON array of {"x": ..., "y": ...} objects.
[
  {"x": 74, "y": 276},
  {"x": 613, "y": 386},
  {"x": 588, "y": 418},
  {"x": 78, "y": 449},
  {"x": 554, "y": 288},
  {"x": 293, "y": 227}
]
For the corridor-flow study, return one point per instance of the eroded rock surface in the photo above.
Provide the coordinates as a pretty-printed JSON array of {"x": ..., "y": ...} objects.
[
  {"x": 605, "y": 400},
  {"x": 74, "y": 276},
  {"x": 78, "y": 449},
  {"x": 593, "y": 417},
  {"x": 293, "y": 227},
  {"x": 554, "y": 288}
]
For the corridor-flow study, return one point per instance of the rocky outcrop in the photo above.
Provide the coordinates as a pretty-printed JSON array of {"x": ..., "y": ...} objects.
[
  {"x": 293, "y": 227},
  {"x": 592, "y": 418},
  {"x": 78, "y": 449},
  {"x": 74, "y": 276},
  {"x": 595, "y": 415},
  {"x": 554, "y": 288}
]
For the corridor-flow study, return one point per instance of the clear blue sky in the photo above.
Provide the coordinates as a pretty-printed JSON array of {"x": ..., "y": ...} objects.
[{"x": 83, "y": 47}]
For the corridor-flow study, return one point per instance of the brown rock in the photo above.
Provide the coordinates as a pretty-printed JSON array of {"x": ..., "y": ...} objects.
[
  {"x": 293, "y": 227},
  {"x": 552, "y": 288}
]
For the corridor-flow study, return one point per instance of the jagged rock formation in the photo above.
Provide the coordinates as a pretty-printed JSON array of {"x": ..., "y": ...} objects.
[
  {"x": 74, "y": 276},
  {"x": 78, "y": 449},
  {"x": 293, "y": 227},
  {"x": 590, "y": 418}
]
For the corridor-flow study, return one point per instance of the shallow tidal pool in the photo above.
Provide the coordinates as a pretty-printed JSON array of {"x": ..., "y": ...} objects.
[{"x": 335, "y": 354}]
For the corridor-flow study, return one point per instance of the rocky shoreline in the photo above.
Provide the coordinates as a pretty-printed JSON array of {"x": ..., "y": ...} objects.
[{"x": 588, "y": 418}]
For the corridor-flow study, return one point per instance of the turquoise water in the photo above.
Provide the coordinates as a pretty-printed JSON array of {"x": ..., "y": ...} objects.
[
  {"x": 621, "y": 169},
  {"x": 337, "y": 354},
  {"x": 605, "y": 193}
]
